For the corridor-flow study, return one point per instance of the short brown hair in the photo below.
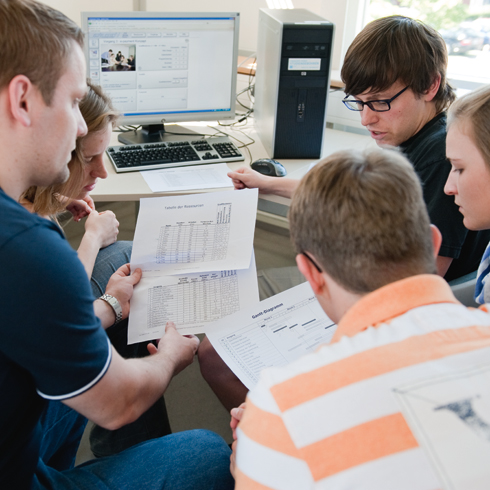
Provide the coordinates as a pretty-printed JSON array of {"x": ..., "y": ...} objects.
[
  {"x": 397, "y": 48},
  {"x": 473, "y": 110},
  {"x": 363, "y": 217},
  {"x": 97, "y": 110},
  {"x": 36, "y": 41}
]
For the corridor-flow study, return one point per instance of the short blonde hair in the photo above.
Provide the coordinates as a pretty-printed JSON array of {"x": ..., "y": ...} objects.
[
  {"x": 97, "y": 110},
  {"x": 473, "y": 110},
  {"x": 363, "y": 217}
]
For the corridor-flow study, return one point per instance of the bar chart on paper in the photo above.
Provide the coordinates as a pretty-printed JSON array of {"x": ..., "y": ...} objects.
[{"x": 288, "y": 326}]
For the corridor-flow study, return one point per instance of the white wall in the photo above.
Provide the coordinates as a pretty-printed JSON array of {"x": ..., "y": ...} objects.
[
  {"x": 73, "y": 8},
  {"x": 249, "y": 13},
  {"x": 334, "y": 10}
]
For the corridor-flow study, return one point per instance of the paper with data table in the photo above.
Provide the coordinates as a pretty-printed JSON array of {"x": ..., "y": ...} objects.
[
  {"x": 196, "y": 254},
  {"x": 191, "y": 301},
  {"x": 274, "y": 332},
  {"x": 195, "y": 233}
]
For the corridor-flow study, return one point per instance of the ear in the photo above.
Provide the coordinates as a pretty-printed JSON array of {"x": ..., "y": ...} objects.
[
  {"x": 21, "y": 92},
  {"x": 433, "y": 89},
  {"x": 315, "y": 278},
  {"x": 436, "y": 239}
]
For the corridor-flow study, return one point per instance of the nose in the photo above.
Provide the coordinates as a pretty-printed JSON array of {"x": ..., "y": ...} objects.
[
  {"x": 81, "y": 124},
  {"x": 451, "y": 188},
  {"x": 368, "y": 116},
  {"x": 98, "y": 169}
]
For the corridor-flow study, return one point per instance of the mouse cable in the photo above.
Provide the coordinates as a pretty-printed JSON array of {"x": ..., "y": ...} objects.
[{"x": 242, "y": 117}]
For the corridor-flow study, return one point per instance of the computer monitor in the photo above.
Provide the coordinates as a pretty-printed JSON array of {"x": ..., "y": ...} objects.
[{"x": 163, "y": 67}]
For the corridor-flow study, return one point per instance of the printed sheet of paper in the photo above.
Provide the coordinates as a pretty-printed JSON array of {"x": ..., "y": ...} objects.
[
  {"x": 449, "y": 414},
  {"x": 274, "y": 332},
  {"x": 195, "y": 233},
  {"x": 191, "y": 301},
  {"x": 197, "y": 177}
]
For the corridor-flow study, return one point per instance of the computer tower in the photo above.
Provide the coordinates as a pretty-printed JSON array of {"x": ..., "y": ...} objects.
[{"x": 292, "y": 81}]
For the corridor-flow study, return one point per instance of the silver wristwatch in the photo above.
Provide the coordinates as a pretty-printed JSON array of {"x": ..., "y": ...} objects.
[{"x": 114, "y": 303}]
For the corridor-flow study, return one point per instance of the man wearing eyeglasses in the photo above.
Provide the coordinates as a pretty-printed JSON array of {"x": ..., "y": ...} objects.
[{"x": 395, "y": 76}]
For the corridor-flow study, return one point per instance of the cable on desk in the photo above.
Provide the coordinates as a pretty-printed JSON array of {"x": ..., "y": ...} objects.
[
  {"x": 242, "y": 143},
  {"x": 248, "y": 90},
  {"x": 242, "y": 118},
  {"x": 252, "y": 87},
  {"x": 245, "y": 90}
]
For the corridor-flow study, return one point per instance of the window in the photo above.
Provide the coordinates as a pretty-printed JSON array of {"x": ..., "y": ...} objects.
[{"x": 463, "y": 24}]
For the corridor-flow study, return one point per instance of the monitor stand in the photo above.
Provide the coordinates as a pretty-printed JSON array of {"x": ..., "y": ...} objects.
[{"x": 155, "y": 133}]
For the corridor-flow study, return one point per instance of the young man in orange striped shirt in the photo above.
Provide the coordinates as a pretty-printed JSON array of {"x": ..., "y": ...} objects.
[{"x": 390, "y": 403}]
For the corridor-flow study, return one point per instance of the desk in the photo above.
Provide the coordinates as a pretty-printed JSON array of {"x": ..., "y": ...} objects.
[{"x": 131, "y": 186}]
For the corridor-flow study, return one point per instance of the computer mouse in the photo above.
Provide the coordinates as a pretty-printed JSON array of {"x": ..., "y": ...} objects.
[{"x": 270, "y": 167}]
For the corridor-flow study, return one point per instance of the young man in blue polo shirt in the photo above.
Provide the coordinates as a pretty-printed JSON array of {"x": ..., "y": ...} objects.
[{"x": 54, "y": 348}]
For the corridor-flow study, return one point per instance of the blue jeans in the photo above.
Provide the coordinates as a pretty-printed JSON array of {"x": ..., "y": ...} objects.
[
  {"x": 109, "y": 259},
  {"x": 62, "y": 430},
  {"x": 191, "y": 460},
  {"x": 154, "y": 422}
]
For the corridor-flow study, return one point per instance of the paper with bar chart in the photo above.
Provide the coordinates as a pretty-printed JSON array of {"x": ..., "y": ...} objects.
[{"x": 274, "y": 332}]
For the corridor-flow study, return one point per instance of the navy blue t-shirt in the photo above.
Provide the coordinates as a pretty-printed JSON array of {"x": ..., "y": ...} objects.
[{"x": 52, "y": 345}]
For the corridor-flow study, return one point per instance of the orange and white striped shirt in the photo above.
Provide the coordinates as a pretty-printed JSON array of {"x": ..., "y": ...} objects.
[{"x": 331, "y": 419}]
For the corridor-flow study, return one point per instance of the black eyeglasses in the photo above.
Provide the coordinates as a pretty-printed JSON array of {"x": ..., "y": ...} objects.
[
  {"x": 317, "y": 267},
  {"x": 382, "y": 105}
]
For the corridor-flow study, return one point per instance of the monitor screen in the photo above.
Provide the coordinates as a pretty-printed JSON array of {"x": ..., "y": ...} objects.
[{"x": 164, "y": 67}]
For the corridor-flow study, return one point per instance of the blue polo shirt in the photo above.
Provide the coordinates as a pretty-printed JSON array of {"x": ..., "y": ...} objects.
[{"x": 52, "y": 345}]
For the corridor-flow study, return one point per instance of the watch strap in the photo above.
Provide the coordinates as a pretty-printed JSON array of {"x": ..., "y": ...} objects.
[{"x": 114, "y": 304}]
